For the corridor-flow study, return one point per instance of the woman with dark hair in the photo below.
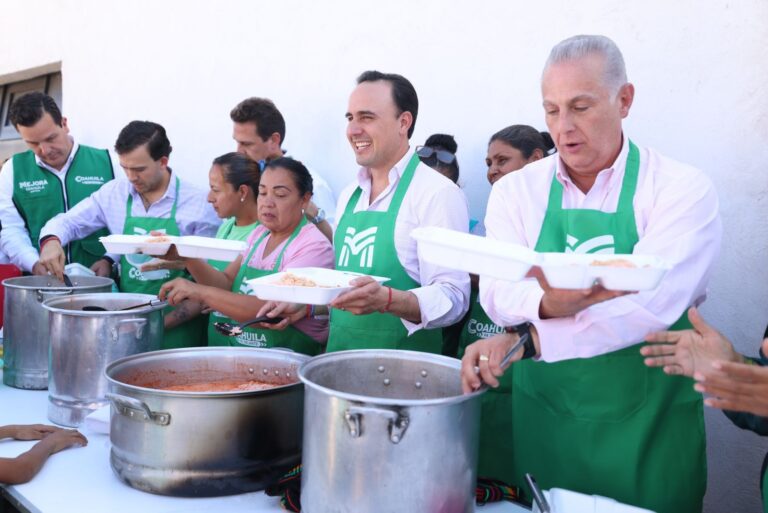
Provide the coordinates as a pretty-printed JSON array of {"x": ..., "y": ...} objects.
[
  {"x": 439, "y": 153},
  {"x": 514, "y": 147},
  {"x": 283, "y": 239}
]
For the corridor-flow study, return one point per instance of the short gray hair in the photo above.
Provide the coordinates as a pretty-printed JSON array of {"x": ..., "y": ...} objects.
[{"x": 578, "y": 47}]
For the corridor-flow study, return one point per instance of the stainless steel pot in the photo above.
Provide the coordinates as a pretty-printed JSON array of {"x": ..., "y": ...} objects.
[
  {"x": 25, "y": 331},
  {"x": 84, "y": 342},
  {"x": 388, "y": 431},
  {"x": 199, "y": 444}
]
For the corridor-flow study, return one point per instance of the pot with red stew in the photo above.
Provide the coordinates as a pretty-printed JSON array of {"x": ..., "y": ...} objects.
[{"x": 202, "y": 422}]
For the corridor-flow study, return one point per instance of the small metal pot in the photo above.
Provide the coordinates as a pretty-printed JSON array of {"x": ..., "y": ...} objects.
[
  {"x": 202, "y": 444},
  {"x": 84, "y": 342},
  {"x": 388, "y": 431},
  {"x": 25, "y": 331}
]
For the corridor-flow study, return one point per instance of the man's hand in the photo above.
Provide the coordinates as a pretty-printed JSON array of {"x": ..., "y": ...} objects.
[
  {"x": 735, "y": 387},
  {"x": 566, "y": 303},
  {"x": 39, "y": 269},
  {"x": 366, "y": 297},
  {"x": 688, "y": 351},
  {"x": 482, "y": 361},
  {"x": 290, "y": 312},
  {"x": 102, "y": 267},
  {"x": 179, "y": 289},
  {"x": 53, "y": 259}
]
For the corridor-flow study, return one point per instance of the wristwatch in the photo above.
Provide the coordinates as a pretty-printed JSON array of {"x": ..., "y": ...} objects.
[
  {"x": 529, "y": 348},
  {"x": 319, "y": 218}
]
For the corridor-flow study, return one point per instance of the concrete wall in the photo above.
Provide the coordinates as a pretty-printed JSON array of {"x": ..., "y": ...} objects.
[{"x": 698, "y": 66}]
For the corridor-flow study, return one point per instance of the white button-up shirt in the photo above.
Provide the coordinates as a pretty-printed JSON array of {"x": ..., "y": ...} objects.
[
  {"x": 14, "y": 239},
  {"x": 431, "y": 200},
  {"x": 676, "y": 212},
  {"x": 106, "y": 208}
]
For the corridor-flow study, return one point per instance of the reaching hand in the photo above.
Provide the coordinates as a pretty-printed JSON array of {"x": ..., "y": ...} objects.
[
  {"x": 63, "y": 439},
  {"x": 291, "y": 312},
  {"x": 688, "y": 351},
  {"x": 157, "y": 264},
  {"x": 53, "y": 259},
  {"x": 366, "y": 297},
  {"x": 179, "y": 289},
  {"x": 33, "y": 431},
  {"x": 735, "y": 386},
  {"x": 102, "y": 267}
]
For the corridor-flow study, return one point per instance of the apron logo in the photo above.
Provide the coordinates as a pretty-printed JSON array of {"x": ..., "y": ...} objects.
[
  {"x": 137, "y": 260},
  {"x": 603, "y": 244},
  {"x": 249, "y": 338},
  {"x": 358, "y": 244},
  {"x": 482, "y": 329},
  {"x": 245, "y": 288},
  {"x": 33, "y": 186}
]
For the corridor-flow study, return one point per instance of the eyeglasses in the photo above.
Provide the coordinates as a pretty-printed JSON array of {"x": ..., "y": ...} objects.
[{"x": 444, "y": 156}]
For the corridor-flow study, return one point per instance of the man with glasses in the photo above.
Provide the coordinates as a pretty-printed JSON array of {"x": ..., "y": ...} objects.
[{"x": 392, "y": 194}]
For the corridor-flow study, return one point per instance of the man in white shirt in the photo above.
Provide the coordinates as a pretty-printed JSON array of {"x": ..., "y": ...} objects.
[
  {"x": 54, "y": 175},
  {"x": 394, "y": 192},
  {"x": 152, "y": 199},
  {"x": 587, "y": 415},
  {"x": 259, "y": 131}
]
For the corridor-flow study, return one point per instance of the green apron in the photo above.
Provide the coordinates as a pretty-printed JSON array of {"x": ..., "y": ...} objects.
[
  {"x": 291, "y": 337},
  {"x": 765, "y": 492},
  {"x": 365, "y": 243},
  {"x": 496, "y": 401},
  {"x": 606, "y": 425},
  {"x": 38, "y": 196},
  {"x": 188, "y": 334}
]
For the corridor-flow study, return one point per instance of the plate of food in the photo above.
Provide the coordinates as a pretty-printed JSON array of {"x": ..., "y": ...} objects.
[
  {"x": 147, "y": 244},
  {"x": 193, "y": 246},
  {"x": 306, "y": 285},
  {"x": 474, "y": 254},
  {"x": 614, "y": 272}
]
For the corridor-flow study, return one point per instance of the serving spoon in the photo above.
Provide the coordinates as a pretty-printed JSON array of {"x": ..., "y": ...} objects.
[{"x": 232, "y": 330}]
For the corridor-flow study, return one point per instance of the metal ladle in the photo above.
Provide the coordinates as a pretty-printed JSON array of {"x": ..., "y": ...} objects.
[
  {"x": 232, "y": 330},
  {"x": 94, "y": 308}
]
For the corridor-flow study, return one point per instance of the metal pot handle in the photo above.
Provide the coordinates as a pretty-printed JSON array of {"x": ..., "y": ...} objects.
[
  {"x": 42, "y": 294},
  {"x": 398, "y": 422},
  {"x": 138, "y": 410},
  {"x": 140, "y": 324}
]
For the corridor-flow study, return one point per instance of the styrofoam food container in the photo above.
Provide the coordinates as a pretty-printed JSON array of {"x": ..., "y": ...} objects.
[
  {"x": 474, "y": 254},
  {"x": 127, "y": 244},
  {"x": 577, "y": 271},
  {"x": 331, "y": 283},
  {"x": 193, "y": 246}
]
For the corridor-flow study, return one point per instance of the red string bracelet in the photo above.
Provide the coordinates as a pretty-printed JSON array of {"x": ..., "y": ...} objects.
[{"x": 389, "y": 300}]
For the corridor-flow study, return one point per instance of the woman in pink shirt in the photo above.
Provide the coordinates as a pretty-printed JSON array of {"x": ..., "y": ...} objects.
[{"x": 283, "y": 240}]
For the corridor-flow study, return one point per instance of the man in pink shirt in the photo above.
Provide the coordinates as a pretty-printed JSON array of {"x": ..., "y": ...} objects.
[{"x": 582, "y": 411}]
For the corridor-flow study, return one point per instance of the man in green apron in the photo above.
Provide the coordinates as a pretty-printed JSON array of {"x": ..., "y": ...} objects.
[
  {"x": 585, "y": 414},
  {"x": 393, "y": 194},
  {"x": 153, "y": 199},
  {"x": 53, "y": 176}
]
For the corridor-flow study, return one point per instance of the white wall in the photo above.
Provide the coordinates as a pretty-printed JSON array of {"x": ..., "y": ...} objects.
[{"x": 698, "y": 66}]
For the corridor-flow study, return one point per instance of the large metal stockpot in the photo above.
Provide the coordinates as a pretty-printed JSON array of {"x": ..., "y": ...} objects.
[
  {"x": 202, "y": 444},
  {"x": 84, "y": 342},
  {"x": 388, "y": 431},
  {"x": 25, "y": 330}
]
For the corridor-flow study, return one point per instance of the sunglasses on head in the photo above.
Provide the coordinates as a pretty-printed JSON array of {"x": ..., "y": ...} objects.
[{"x": 444, "y": 156}]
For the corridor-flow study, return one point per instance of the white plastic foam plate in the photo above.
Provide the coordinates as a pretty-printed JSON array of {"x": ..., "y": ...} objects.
[
  {"x": 192, "y": 246},
  {"x": 579, "y": 271},
  {"x": 128, "y": 244},
  {"x": 330, "y": 283},
  {"x": 474, "y": 254}
]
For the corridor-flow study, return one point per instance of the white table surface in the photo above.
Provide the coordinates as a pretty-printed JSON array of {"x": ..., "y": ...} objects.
[{"x": 81, "y": 479}]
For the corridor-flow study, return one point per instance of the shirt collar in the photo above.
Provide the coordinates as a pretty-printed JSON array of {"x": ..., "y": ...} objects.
[
  {"x": 170, "y": 191},
  {"x": 608, "y": 176},
  {"x": 364, "y": 176},
  {"x": 66, "y": 165}
]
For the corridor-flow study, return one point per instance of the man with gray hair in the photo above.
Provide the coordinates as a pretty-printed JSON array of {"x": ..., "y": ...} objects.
[{"x": 580, "y": 410}]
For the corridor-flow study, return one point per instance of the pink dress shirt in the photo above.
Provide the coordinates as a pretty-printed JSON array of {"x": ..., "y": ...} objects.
[{"x": 676, "y": 211}]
